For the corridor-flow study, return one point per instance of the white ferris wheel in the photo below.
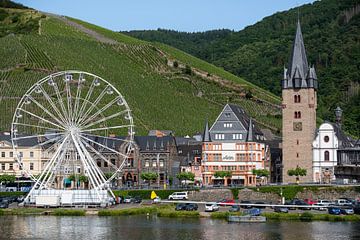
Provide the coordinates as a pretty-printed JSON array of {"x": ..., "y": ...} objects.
[{"x": 74, "y": 118}]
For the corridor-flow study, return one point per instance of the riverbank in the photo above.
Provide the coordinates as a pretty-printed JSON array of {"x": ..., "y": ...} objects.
[{"x": 167, "y": 210}]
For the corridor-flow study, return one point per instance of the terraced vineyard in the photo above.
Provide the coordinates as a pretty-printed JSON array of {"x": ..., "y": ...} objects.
[{"x": 161, "y": 95}]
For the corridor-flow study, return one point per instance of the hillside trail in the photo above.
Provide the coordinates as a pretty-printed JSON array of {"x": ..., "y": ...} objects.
[{"x": 99, "y": 37}]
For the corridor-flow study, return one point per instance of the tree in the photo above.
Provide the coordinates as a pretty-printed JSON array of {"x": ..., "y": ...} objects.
[
  {"x": 298, "y": 172},
  {"x": 222, "y": 174},
  {"x": 185, "y": 176},
  {"x": 149, "y": 176},
  {"x": 83, "y": 178},
  {"x": 7, "y": 178},
  {"x": 261, "y": 172}
]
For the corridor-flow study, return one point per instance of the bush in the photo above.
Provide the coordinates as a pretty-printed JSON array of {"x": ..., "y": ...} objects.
[
  {"x": 306, "y": 216},
  {"x": 11, "y": 194},
  {"x": 220, "y": 215}
]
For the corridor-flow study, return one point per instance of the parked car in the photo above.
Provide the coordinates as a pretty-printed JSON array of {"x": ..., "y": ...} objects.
[
  {"x": 342, "y": 202},
  {"x": 4, "y": 205},
  {"x": 260, "y": 203},
  {"x": 211, "y": 207},
  {"x": 253, "y": 212},
  {"x": 356, "y": 208},
  {"x": 325, "y": 202},
  {"x": 347, "y": 211},
  {"x": 280, "y": 209},
  {"x": 178, "y": 196},
  {"x": 334, "y": 210},
  {"x": 20, "y": 199},
  {"x": 299, "y": 202},
  {"x": 191, "y": 207},
  {"x": 226, "y": 202},
  {"x": 157, "y": 200},
  {"x": 310, "y": 201},
  {"x": 245, "y": 206},
  {"x": 137, "y": 199},
  {"x": 180, "y": 207},
  {"x": 319, "y": 206},
  {"x": 128, "y": 199},
  {"x": 234, "y": 208}
]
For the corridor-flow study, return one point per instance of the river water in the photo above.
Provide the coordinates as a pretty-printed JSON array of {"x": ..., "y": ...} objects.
[{"x": 142, "y": 227}]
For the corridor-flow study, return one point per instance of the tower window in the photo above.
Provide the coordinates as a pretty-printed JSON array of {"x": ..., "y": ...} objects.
[
  {"x": 297, "y": 155},
  {"x": 326, "y": 138},
  {"x": 326, "y": 156},
  {"x": 297, "y": 114},
  {"x": 297, "y": 99},
  {"x": 297, "y": 141}
]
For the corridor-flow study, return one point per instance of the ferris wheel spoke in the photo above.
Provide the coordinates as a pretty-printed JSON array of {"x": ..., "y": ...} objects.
[
  {"x": 69, "y": 100},
  {"x": 36, "y": 136},
  {"x": 87, "y": 120},
  {"x": 99, "y": 154},
  {"x": 41, "y": 118},
  {"x": 106, "y": 128},
  {"x": 88, "y": 111},
  {"x": 34, "y": 126},
  {"x": 92, "y": 162},
  {"x": 78, "y": 94},
  {"x": 52, "y": 104},
  {"x": 111, "y": 138},
  {"x": 87, "y": 97},
  {"x": 45, "y": 110},
  {"x": 61, "y": 102},
  {"x": 103, "y": 146},
  {"x": 105, "y": 119}
]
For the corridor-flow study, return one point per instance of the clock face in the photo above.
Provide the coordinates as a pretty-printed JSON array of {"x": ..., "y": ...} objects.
[{"x": 297, "y": 126}]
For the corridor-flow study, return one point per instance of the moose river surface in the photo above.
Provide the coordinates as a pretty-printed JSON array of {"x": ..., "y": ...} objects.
[{"x": 142, "y": 227}]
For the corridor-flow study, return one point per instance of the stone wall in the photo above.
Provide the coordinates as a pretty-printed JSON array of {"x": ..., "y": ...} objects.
[
  {"x": 250, "y": 195},
  {"x": 210, "y": 195},
  {"x": 330, "y": 194}
]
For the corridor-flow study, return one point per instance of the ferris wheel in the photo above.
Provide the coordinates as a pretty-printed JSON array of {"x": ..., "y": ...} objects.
[{"x": 74, "y": 118}]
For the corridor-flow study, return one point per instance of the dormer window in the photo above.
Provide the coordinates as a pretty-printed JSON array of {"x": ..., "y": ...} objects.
[
  {"x": 227, "y": 125},
  {"x": 227, "y": 115}
]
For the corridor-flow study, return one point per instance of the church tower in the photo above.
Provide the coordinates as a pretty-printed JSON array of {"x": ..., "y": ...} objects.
[{"x": 299, "y": 105}]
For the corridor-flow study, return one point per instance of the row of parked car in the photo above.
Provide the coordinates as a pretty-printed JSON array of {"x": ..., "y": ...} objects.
[{"x": 6, "y": 201}]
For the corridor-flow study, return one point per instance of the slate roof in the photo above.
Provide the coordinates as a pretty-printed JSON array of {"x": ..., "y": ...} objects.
[
  {"x": 27, "y": 142},
  {"x": 206, "y": 135},
  {"x": 244, "y": 118}
]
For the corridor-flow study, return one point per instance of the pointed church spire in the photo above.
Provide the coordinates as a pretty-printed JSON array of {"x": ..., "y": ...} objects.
[
  {"x": 206, "y": 136},
  {"x": 250, "y": 131},
  {"x": 298, "y": 57}
]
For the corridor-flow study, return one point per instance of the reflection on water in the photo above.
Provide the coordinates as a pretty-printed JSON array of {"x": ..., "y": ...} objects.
[{"x": 142, "y": 227}]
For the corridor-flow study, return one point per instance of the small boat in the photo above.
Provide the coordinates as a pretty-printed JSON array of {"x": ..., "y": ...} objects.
[{"x": 247, "y": 219}]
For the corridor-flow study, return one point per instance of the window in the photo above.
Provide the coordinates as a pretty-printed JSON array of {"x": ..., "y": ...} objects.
[
  {"x": 11, "y": 166},
  {"x": 227, "y": 125},
  {"x": 21, "y": 154},
  {"x": 326, "y": 156},
  {"x": 227, "y": 115},
  {"x": 3, "y": 166},
  {"x": 161, "y": 163},
  {"x": 105, "y": 164},
  {"x": 297, "y": 99},
  {"x": 297, "y": 141},
  {"x": 297, "y": 155},
  {"x": 11, "y": 154},
  {"x": 31, "y": 166},
  {"x": 31, "y": 154},
  {"x": 147, "y": 163},
  {"x": 154, "y": 163},
  {"x": 2, "y": 154},
  {"x": 112, "y": 161},
  {"x": 326, "y": 139},
  {"x": 297, "y": 115},
  {"x": 237, "y": 136},
  {"x": 219, "y": 136},
  {"x": 98, "y": 162}
]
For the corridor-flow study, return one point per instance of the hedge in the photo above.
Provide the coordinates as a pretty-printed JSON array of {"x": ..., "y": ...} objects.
[{"x": 11, "y": 194}]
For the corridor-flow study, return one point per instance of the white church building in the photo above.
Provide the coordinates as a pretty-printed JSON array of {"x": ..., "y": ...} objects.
[{"x": 325, "y": 148}]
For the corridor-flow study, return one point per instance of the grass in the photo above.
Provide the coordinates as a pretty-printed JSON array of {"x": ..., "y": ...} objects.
[
  {"x": 126, "y": 212},
  {"x": 24, "y": 211},
  {"x": 68, "y": 212}
]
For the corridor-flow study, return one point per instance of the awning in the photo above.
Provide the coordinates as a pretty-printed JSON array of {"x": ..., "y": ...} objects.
[
  {"x": 186, "y": 181},
  {"x": 238, "y": 177},
  {"x": 217, "y": 178},
  {"x": 67, "y": 181}
]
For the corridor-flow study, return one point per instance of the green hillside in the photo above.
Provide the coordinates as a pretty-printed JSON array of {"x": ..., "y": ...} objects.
[
  {"x": 331, "y": 30},
  {"x": 165, "y": 87}
]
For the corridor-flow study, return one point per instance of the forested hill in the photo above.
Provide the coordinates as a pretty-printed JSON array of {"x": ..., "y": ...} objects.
[{"x": 331, "y": 30}]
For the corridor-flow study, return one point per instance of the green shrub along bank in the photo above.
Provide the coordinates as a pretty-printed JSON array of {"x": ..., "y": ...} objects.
[
  {"x": 307, "y": 216},
  {"x": 145, "y": 194},
  {"x": 1, "y": 212},
  {"x": 68, "y": 212},
  {"x": 126, "y": 212},
  {"x": 11, "y": 194}
]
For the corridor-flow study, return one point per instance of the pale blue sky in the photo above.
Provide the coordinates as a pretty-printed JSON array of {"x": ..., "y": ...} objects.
[{"x": 181, "y": 15}]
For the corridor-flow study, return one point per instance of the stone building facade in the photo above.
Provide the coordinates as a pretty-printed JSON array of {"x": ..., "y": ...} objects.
[{"x": 299, "y": 103}]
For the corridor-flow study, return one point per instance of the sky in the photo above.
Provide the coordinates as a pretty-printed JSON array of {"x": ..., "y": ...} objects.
[{"x": 180, "y": 15}]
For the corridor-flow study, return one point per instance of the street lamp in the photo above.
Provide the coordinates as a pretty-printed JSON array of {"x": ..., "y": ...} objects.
[{"x": 338, "y": 114}]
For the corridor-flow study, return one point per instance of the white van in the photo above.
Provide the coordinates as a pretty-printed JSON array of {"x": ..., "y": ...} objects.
[{"x": 178, "y": 196}]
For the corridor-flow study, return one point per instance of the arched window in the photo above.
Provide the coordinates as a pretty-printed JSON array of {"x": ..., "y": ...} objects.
[
  {"x": 299, "y": 114},
  {"x": 295, "y": 115},
  {"x": 297, "y": 98},
  {"x": 326, "y": 156},
  {"x": 98, "y": 162}
]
